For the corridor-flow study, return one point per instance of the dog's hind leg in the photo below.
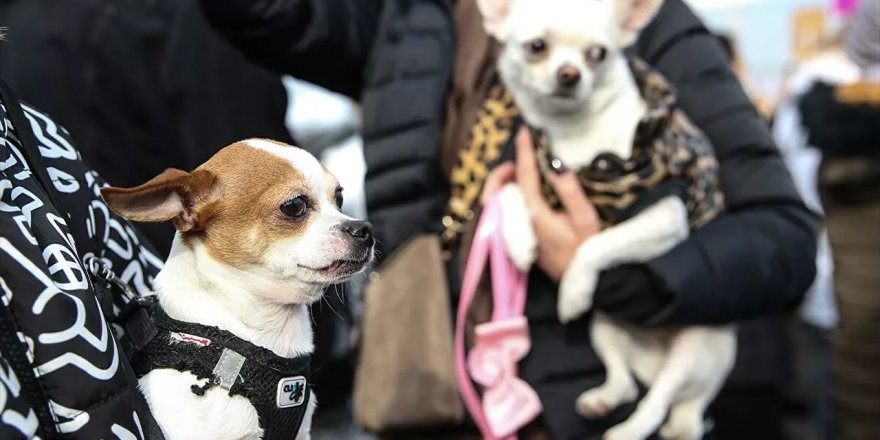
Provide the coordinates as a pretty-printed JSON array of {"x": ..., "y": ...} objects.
[
  {"x": 651, "y": 411},
  {"x": 685, "y": 420},
  {"x": 714, "y": 352},
  {"x": 612, "y": 345}
]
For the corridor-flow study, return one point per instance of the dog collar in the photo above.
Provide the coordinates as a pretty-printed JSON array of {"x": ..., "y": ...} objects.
[{"x": 277, "y": 387}]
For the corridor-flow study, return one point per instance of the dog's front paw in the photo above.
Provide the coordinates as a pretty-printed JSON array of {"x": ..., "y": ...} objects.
[
  {"x": 600, "y": 401},
  {"x": 576, "y": 292},
  {"x": 522, "y": 252},
  {"x": 516, "y": 228}
]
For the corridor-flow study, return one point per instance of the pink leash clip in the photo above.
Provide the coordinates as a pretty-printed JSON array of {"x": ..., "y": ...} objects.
[{"x": 508, "y": 402}]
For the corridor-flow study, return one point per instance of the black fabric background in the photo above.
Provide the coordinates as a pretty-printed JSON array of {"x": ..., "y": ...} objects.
[{"x": 142, "y": 85}]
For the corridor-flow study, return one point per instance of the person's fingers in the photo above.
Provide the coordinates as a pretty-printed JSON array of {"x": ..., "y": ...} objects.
[
  {"x": 575, "y": 201},
  {"x": 496, "y": 179},
  {"x": 527, "y": 175}
]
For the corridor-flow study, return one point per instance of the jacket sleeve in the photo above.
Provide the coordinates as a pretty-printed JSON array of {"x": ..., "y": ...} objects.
[
  {"x": 759, "y": 256},
  {"x": 325, "y": 42}
]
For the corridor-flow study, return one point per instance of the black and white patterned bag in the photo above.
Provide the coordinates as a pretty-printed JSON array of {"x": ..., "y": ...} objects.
[{"x": 63, "y": 372}]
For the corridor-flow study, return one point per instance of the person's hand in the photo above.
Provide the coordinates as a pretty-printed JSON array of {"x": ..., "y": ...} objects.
[
  {"x": 559, "y": 233},
  {"x": 500, "y": 175}
]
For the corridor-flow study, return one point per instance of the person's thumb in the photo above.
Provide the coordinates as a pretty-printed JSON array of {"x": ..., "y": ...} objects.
[{"x": 497, "y": 178}]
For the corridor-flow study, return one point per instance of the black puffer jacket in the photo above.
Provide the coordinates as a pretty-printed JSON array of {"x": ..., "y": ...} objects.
[{"x": 395, "y": 56}]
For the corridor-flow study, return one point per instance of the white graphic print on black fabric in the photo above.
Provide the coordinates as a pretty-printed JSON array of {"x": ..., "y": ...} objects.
[
  {"x": 14, "y": 410},
  {"x": 124, "y": 434},
  {"x": 44, "y": 284},
  {"x": 76, "y": 327}
]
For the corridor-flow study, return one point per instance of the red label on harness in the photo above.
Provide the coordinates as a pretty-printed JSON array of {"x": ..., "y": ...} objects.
[{"x": 190, "y": 339}]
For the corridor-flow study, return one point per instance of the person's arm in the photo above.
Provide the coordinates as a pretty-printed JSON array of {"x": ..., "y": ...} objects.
[
  {"x": 756, "y": 258},
  {"x": 325, "y": 42}
]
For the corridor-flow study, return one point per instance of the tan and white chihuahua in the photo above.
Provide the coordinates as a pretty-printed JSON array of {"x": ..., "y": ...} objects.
[
  {"x": 563, "y": 61},
  {"x": 259, "y": 237}
]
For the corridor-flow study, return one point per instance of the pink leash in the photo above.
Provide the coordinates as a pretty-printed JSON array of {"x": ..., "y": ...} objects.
[{"x": 508, "y": 402}]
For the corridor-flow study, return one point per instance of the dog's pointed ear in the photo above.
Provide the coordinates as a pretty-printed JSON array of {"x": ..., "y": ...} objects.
[
  {"x": 633, "y": 16},
  {"x": 173, "y": 195},
  {"x": 495, "y": 14}
]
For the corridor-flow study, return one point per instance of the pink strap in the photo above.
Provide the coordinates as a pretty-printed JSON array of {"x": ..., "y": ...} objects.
[
  {"x": 508, "y": 402},
  {"x": 508, "y": 282}
]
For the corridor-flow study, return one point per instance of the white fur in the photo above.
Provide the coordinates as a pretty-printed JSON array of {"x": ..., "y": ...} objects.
[
  {"x": 294, "y": 259},
  {"x": 605, "y": 107},
  {"x": 607, "y": 124},
  {"x": 266, "y": 305},
  {"x": 516, "y": 227},
  {"x": 650, "y": 234},
  {"x": 684, "y": 368}
]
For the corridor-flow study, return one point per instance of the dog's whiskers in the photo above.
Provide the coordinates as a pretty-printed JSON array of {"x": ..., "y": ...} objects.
[{"x": 332, "y": 309}]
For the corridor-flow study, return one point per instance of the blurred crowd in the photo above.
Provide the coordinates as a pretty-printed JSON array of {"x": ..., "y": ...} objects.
[{"x": 379, "y": 90}]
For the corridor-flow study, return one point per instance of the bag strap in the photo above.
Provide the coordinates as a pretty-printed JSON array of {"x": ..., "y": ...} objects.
[
  {"x": 508, "y": 282},
  {"x": 509, "y": 295},
  {"x": 476, "y": 264}
]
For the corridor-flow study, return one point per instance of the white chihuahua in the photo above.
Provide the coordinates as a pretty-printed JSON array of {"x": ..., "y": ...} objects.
[
  {"x": 260, "y": 236},
  {"x": 563, "y": 61}
]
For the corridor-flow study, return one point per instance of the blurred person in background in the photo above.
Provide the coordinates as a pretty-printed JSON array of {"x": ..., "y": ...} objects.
[
  {"x": 806, "y": 391},
  {"x": 421, "y": 68},
  {"x": 810, "y": 332},
  {"x": 839, "y": 112},
  {"x": 142, "y": 85}
]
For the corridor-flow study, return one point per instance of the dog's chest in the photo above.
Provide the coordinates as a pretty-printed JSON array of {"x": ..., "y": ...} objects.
[
  {"x": 674, "y": 163},
  {"x": 574, "y": 154},
  {"x": 225, "y": 371}
]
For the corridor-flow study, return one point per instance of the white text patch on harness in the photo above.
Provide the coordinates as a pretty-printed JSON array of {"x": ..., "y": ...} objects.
[
  {"x": 291, "y": 392},
  {"x": 190, "y": 339}
]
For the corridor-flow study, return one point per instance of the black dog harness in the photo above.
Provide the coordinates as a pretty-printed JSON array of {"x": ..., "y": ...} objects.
[{"x": 277, "y": 387}]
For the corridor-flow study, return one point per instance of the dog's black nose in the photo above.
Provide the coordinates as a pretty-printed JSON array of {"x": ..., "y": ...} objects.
[
  {"x": 359, "y": 229},
  {"x": 568, "y": 75}
]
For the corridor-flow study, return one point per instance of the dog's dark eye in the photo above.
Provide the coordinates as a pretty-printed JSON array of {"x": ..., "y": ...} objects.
[
  {"x": 596, "y": 54},
  {"x": 295, "y": 208},
  {"x": 536, "y": 46},
  {"x": 338, "y": 198}
]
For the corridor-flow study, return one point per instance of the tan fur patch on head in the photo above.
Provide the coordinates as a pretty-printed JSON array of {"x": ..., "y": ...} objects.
[{"x": 243, "y": 219}]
